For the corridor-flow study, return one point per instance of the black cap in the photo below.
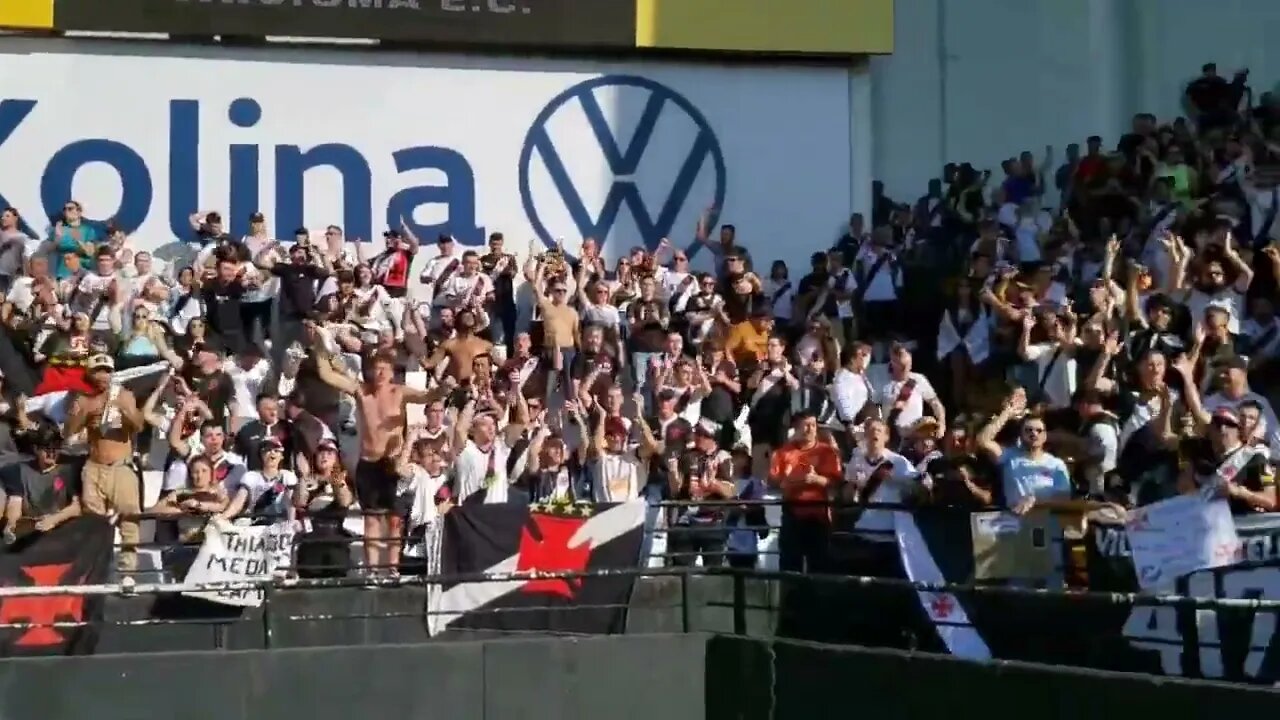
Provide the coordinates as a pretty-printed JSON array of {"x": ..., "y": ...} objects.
[
  {"x": 391, "y": 233},
  {"x": 1235, "y": 362},
  {"x": 270, "y": 443},
  {"x": 257, "y": 217},
  {"x": 444, "y": 238},
  {"x": 302, "y": 231}
]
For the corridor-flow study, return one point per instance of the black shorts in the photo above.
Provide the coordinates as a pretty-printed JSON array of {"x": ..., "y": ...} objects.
[{"x": 376, "y": 482}]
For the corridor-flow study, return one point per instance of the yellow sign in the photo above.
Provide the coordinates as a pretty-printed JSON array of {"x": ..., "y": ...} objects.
[
  {"x": 26, "y": 14},
  {"x": 827, "y": 27}
]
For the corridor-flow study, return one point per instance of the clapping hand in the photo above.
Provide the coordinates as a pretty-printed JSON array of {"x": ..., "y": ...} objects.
[{"x": 1016, "y": 403}]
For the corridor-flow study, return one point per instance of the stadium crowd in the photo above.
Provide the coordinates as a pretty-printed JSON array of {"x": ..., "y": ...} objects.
[{"x": 1106, "y": 337}]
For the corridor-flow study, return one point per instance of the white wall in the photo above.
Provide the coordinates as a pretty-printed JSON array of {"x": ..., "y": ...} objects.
[
  {"x": 981, "y": 80},
  {"x": 794, "y": 141}
]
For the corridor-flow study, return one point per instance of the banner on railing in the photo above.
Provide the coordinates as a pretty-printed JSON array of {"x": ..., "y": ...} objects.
[
  {"x": 77, "y": 552},
  {"x": 236, "y": 553},
  {"x": 501, "y": 539},
  {"x": 1233, "y": 644}
]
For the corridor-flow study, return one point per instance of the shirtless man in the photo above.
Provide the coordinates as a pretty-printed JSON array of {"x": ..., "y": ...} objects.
[
  {"x": 110, "y": 485},
  {"x": 380, "y": 422}
]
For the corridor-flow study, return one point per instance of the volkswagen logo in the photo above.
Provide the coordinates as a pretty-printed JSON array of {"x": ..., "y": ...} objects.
[{"x": 658, "y": 159}]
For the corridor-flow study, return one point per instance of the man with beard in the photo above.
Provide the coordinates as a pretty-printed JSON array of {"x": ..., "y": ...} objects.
[
  {"x": 461, "y": 350},
  {"x": 111, "y": 418},
  {"x": 1224, "y": 462},
  {"x": 593, "y": 358}
]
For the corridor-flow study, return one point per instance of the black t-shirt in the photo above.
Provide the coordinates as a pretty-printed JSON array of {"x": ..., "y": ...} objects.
[
  {"x": 584, "y": 363},
  {"x": 1208, "y": 93},
  {"x": 503, "y": 284},
  {"x": 216, "y": 390},
  {"x": 949, "y": 488},
  {"x": 1255, "y": 474},
  {"x": 248, "y": 442},
  {"x": 42, "y": 493},
  {"x": 297, "y": 288},
  {"x": 222, "y": 306},
  {"x": 647, "y": 331}
]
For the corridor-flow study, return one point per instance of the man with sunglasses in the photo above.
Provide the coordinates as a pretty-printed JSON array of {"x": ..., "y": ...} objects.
[
  {"x": 42, "y": 493},
  {"x": 1224, "y": 461},
  {"x": 1031, "y": 477}
]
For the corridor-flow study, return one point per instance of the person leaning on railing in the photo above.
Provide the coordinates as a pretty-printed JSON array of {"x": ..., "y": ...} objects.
[
  {"x": 324, "y": 495},
  {"x": 41, "y": 493},
  {"x": 1032, "y": 478},
  {"x": 806, "y": 471}
]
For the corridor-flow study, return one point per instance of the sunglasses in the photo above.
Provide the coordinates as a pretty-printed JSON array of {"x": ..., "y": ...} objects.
[
  {"x": 1034, "y": 430},
  {"x": 559, "y": 290}
]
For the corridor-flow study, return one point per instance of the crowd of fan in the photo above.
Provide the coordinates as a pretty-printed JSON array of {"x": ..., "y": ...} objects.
[{"x": 1121, "y": 304}]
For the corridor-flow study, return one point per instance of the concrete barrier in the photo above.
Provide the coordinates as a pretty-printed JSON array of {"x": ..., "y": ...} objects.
[{"x": 672, "y": 677}]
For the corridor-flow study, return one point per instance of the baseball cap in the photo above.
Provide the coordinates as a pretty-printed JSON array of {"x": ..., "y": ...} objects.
[
  {"x": 99, "y": 362},
  {"x": 327, "y": 444},
  {"x": 444, "y": 238},
  {"x": 271, "y": 443},
  {"x": 391, "y": 234},
  {"x": 706, "y": 428},
  {"x": 1235, "y": 362},
  {"x": 615, "y": 426},
  {"x": 257, "y": 217},
  {"x": 1225, "y": 416}
]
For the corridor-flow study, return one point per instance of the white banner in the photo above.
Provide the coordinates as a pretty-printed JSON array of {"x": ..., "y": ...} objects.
[
  {"x": 623, "y": 152},
  {"x": 234, "y": 553},
  {"x": 1179, "y": 536}
]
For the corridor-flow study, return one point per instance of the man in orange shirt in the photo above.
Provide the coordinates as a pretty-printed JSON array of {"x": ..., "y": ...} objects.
[
  {"x": 805, "y": 469},
  {"x": 747, "y": 341}
]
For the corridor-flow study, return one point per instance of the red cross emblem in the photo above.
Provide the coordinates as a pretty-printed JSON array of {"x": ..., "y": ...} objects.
[{"x": 941, "y": 605}]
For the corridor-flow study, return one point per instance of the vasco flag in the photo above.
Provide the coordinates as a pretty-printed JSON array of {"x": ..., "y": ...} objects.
[
  {"x": 501, "y": 539},
  {"x": 77, "y": 552}
]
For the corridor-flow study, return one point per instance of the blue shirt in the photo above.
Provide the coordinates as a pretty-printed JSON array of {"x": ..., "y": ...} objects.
[
  {"x": 66, "y": 243},
  {"x": 1045, "y": 477}
]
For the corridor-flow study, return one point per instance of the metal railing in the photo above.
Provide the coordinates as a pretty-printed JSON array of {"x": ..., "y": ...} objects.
[{"x": 738, "y": 598}]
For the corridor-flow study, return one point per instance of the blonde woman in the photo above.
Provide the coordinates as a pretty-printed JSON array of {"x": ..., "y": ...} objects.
[{"x": 145, "y": 338}]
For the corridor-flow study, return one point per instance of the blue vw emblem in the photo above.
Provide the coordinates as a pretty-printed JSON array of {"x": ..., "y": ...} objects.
[{"x": 672, "y": 163}]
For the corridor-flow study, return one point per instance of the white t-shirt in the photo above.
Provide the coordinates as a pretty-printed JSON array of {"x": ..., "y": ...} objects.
[
  {"x": 246, "y": 385},
  {"x": 472, "y": 465},
  {"x": 258, "y": 485},
  {"x": 175, "y": 478},
  {"x": 616, "y": 477},
  {"x": 1059, "y": 380},
  {"x": 1226, "y": 298},
  {"x": 877, "y": 525},
  {"x": 914, "y": 409}
]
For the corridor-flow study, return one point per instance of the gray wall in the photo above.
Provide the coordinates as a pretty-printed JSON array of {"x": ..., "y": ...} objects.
[
  {"x": 557, "y": 679},
  {"x": 981, "y": 80}
]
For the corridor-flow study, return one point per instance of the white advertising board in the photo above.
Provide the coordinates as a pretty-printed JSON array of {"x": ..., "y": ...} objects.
[{"x": 626, "y": 153}]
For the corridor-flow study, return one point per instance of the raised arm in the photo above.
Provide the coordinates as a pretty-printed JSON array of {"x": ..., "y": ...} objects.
[
  {"x": 330, "y": 375},
  {"x": 1015, "y": 404}
]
